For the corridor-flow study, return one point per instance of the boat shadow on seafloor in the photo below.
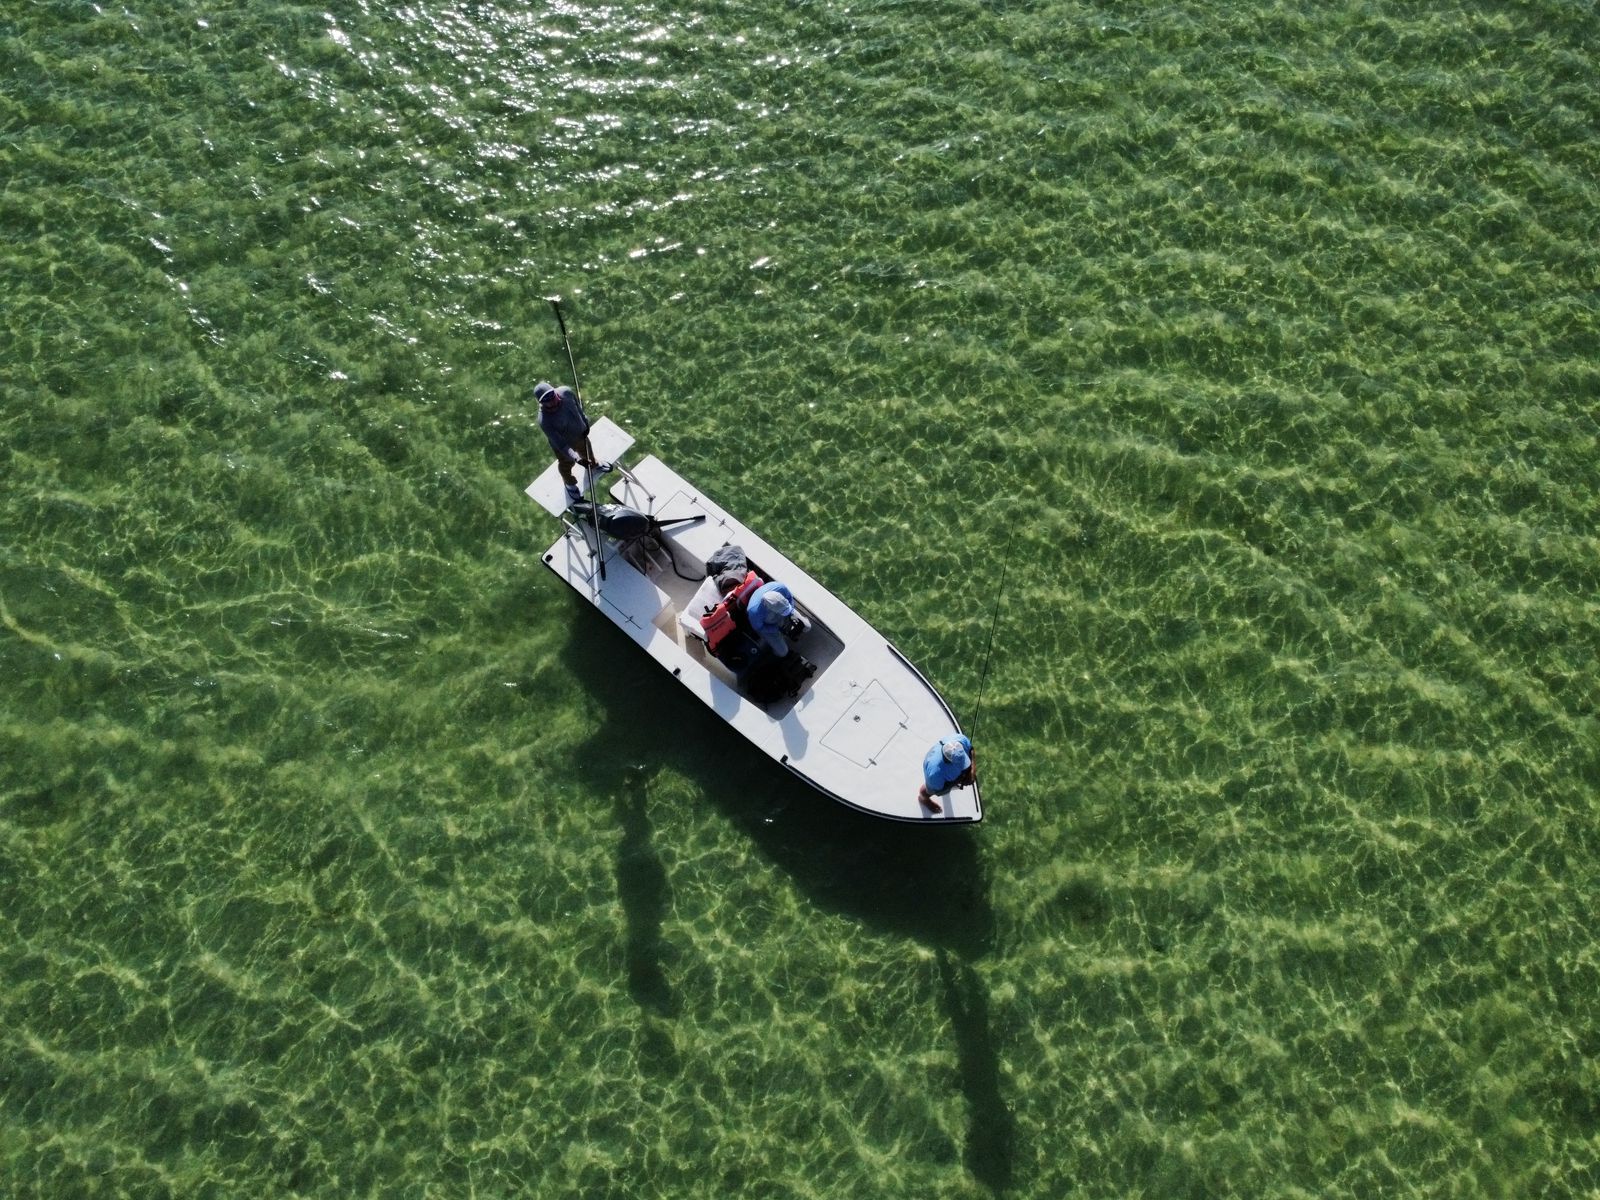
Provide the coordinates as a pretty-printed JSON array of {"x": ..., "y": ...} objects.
[{"x": 924, "y": 884}]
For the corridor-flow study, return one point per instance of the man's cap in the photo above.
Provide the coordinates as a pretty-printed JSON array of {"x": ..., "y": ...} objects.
[
  {"x": 954, "y": 751},
  {"x": 543, "y": 391},
  {"x": 777, "y": 604}
]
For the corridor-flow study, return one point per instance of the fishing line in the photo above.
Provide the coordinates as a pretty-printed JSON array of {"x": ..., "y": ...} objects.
[
  {"x": 1000, "y": 595},
  {"x": 988, "y": 654}
]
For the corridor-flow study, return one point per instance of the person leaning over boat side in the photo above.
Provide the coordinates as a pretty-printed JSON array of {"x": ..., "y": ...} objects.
[
  {"x": 566, "y": 428},
  {"x": 950, "y": 763},
  {"x": 772, "y": 616}
]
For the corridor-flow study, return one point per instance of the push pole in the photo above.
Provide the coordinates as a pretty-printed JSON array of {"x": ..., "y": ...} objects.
[{"x": 594, "y": 509}]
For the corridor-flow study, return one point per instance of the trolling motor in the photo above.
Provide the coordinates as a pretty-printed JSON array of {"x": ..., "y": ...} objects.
[
  {"x": 622, "y": 522},
  {"x": 638, "y": 534}
]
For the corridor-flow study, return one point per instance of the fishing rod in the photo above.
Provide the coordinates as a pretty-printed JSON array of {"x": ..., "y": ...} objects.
[
  {"x": 988, "y": 654},
  {"x": 599, "y": 546}
]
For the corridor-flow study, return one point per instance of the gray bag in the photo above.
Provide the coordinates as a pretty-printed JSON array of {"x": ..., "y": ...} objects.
[{"x": 728, "y": 562}]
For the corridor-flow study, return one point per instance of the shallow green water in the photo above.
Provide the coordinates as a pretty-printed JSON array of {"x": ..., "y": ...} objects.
[{"x": 343, "y": 853}]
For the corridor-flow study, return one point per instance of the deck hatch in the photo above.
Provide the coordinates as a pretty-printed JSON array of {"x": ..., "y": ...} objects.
[{"x": 867, "y": 726}]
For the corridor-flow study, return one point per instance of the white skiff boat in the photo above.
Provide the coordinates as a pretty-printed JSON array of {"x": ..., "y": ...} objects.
[{"x": 858, "y": 728}]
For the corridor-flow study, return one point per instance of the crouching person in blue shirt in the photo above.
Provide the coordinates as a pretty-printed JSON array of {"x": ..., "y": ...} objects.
[
  {"x": 776, "y": 622},
  {"x": 950, "y": 763},
  {"x": 773, "y": 617}
]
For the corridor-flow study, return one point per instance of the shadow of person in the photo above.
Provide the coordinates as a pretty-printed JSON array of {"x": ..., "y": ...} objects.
[
  {"x": 992, "y": 1135},
  {"x": 642, "y": 891},
  {"x": 912, "y": 881}
]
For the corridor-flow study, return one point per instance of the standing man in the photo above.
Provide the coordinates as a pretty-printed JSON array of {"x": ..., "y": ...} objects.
[
  {"x": 567, "y": 430},
  {"x": 950, "y": 763}
]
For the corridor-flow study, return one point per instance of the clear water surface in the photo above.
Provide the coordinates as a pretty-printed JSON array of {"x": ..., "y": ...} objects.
[{"x": 1239, "y": 360}]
